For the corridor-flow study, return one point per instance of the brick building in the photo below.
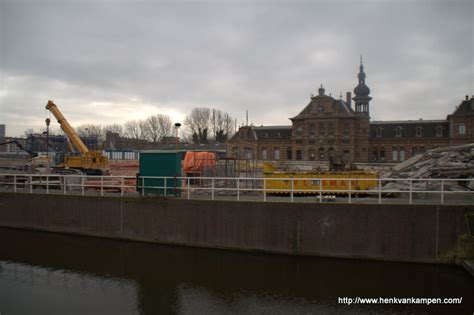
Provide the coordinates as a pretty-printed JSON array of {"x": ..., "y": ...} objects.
[{"x": 329, "y": 126}]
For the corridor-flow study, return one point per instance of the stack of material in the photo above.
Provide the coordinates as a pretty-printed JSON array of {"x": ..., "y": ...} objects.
[
  {"x": 123, "y": 167},
  {"x": 445, "y": 162},
  {"x": 455, "y": 162}
]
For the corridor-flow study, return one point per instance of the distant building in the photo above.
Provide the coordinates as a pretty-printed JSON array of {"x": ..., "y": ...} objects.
[
  {"x": 329, "y": 126},
  {"x": 2, "y": 131}
]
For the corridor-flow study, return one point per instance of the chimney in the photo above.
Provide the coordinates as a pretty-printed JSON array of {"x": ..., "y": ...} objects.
[
  {"x": 467, "y": 97},
  {"x": 348, "y": 99}
]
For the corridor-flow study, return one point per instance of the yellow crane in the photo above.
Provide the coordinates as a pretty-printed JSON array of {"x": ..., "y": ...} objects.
[{"x": 89, "y": 162}]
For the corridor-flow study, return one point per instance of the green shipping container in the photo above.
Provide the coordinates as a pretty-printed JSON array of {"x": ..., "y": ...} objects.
[{"x": 160, "y": 163}]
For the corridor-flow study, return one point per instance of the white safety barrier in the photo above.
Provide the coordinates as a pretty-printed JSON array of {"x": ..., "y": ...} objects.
[{"x": 430, "y": 190}]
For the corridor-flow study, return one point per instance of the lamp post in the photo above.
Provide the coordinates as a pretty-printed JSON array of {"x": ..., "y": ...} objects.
[
  {"x": 176, "y": 127},
  {"x": 48, "y": 121}
]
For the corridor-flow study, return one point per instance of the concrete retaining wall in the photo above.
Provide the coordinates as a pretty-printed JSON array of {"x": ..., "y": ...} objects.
[{"x": 416, "y": 233}]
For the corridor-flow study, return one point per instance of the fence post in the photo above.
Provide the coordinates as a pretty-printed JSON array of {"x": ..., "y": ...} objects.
[
  {"x": 264, "y": 189},
  {"x": 189, "y": 188},
  {"x": 212, "y": 188},
  {"x": 165, "y": 186},
  {"x": 380, "y": 190},
  {"x": 31, "y": 183},
  {"x": 238, "y": 189},
  {"x": 122, "y": 182},
  {"x": 142, "y": 188},
  {"x": 14, "y": 183},
  {"x": 350, "y": 191},
  {"x": 292, "y": 184},
  {"x": 82, "y": 185},
  {"x": 410, "y": 195},
  {"x": 442, "y": 191},
  {"x": 320, "y": 190},
  {"x": 102, "y": 185},
  {"x": 64, "y": 184},
  {"x": 47, "y": 184}
]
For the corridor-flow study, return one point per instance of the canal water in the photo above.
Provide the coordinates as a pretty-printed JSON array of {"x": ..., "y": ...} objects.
[{"x": 46, "y": 273}]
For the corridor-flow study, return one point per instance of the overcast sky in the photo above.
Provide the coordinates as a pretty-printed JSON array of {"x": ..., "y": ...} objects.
[{"x": 111, "y": 61}]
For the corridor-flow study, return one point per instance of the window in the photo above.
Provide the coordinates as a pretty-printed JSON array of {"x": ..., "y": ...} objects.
[
  {"x": 312, "y": 130},
  {"x": 439, "y": 131},
  {"x": 419, "y": 131},
  {"x": 394, "y": 154},
  {"x": 322, "y": 129},
  {"x": 346, "y": 130},
  {"x": 382, "y": 154},
  {"x": 278, "y": 135},
  {"x": 264, "y": 153},
  {"x": 299, "y": 131},
  {"x": 462, "y": 129},
  {"x": 379, "y": 132},
  {"x": 312, "y": 155},
  {"x": 414, "y": 151},
  {"x": 402, "y": 154},
  {"x": 311, "y": 142},
  {"x": 331, "y": 128},
  {"x": 289, "y": 153},
  {"x": 265, "y": 135},
  {"x": 321, "y": 153},
  {"x": 398, "y": 131},
  {"x": 299, "y": 155},
  {"x": 276, "y": 153},
  {"x": 248, "y": 153}
]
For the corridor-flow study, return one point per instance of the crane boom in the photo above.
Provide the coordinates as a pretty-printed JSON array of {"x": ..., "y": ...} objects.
[{"x": 68, "y": 129}]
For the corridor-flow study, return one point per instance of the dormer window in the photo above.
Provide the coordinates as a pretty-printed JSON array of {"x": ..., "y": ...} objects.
[
  {"x": 439, "y": 131},
  {"x": 379, "y": 132},
  {"x": 462, "y": 128},
  {"x": 398, "y": 132},
  {"x": 419, "y": 131}
]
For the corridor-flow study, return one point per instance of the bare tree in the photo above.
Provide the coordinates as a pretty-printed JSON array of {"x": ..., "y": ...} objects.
[
  {"x": 158, "y": 126},
  {"x": 222, "y": 125},
  {"x": 115, "y": 128},
  {"x": 198, "y": 123},
  {"x": 135, "y": 129}
]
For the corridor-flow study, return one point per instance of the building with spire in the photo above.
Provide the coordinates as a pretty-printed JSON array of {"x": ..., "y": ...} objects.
[{"x": 327, "y": 127}]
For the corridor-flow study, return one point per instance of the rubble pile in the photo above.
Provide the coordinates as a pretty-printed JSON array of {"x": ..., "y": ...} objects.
[
  {"x": 445, "y": 162},
  {"x": 456, "y": 162}
]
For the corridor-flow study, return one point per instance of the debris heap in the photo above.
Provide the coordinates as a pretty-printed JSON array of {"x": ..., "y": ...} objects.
[
  {"x": 445, "y": 162},
  {"x": 456, "y": 162}
]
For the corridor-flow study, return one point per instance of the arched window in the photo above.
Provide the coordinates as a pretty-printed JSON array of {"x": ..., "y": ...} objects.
[
  {"x": 321, "y": 153},
  {"x": 398, "y": 132},
  {"x": 462, "y": 128},
  {"x": 439, "y": 131},
  {"x": 419, "y": 131},
  {"x": 312, "y": 129},
  {"x": 379, "y": 132}
]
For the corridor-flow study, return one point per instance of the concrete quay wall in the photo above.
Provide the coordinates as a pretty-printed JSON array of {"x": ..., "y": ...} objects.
[{"x": 410, "y": 233}]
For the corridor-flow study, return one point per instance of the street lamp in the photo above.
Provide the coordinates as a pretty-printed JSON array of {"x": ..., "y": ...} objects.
[
  {"x": 48, "y": 121},
  {"x": 176, "y": 127}
]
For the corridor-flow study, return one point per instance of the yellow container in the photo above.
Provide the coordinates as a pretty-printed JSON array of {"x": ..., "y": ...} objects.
[{"x": 314, "y": 182}]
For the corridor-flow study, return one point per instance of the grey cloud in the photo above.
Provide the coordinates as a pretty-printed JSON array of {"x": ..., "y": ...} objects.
[{"x": 263, "y": 56}]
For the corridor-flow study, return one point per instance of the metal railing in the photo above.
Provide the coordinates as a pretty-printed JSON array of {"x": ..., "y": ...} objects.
[{"x": 350, "y": 190}]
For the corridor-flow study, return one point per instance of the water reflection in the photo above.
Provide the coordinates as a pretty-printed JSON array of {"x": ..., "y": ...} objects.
[{"x": 64, "y": 274}]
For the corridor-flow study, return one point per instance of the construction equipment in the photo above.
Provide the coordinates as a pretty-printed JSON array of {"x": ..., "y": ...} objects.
[
  {"x": 19, "y": 145},
  {"x": 332, "y": 182},
  {"x": 89, "y": 162}
]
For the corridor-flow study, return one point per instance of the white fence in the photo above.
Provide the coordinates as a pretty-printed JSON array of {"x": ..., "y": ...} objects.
[{"x": 452, "y": 191}]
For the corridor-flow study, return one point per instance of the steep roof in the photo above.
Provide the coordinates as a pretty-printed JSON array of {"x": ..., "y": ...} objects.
[
  {"x": 273, "y": 132},
  {"x": 409, "y": 127},
  {"x": 465, "y": 108},
  {"x": 323, "y": 105}
]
